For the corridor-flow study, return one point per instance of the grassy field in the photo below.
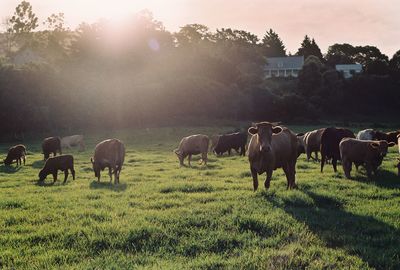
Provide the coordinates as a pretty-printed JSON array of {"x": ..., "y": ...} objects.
[{"x": 162, "y": 216}]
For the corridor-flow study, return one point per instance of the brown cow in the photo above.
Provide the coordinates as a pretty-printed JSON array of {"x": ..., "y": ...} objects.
[
  {"x": 312, "y": 143},
  {"x": 370, "y": 154},
  {"x": 272, "y": 147},
  {"x": 111, "y": 154},
  {"x": 193, "y": 145},
  {"x": 51, "y": 145},
  {"x": 17, "y": 153},
  {"x": 388, "y": 136},
  {"x": 55, "y": 164},
  {"x": 330, "y": 140}
]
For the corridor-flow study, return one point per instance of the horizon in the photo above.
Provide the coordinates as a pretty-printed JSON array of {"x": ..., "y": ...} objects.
[{"x": 374, "y": 24}]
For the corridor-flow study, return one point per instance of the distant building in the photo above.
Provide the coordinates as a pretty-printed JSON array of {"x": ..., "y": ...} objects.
[
  {"x": 349, "y": 70},
  {"x": 288, "y": 66}
]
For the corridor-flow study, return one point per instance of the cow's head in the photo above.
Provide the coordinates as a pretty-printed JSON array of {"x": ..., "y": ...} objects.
[
  {"x": 264, "y": 130},
  {"x": 42, "y": 175},
  {"x": 381, "y": 148},
  {"x": 96, "y": 167},
  {"x": 180, "y": 156},
  {"x": 7, "y": 161}
]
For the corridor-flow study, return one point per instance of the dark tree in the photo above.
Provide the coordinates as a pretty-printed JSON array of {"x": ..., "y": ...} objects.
[
  {"x": 272, "y": 45},
  {"x": 309, "y": 47},
  {"x": 394, "y": 66},
  {"x": 340, "y": 54}
]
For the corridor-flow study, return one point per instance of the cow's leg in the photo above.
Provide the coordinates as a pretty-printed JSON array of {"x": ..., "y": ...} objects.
[
  {"x": 229, "y": 151},
  {"x": 308, "y": 152},
  {"x": 65, "y": 176},
  {"x": 268, "y": 178},
  {"x": 243, "y": 150},
  {"x": 346, "y": 167},
  {"x": 287, "y": 174},
  {"x": 368, "y": 168},
  {"x": 110, "y": 173},
  {"x": 292, "y": 171},
  {"x": 255, "y": 178},
  {"x": 24, "y": 159},
  {"x": 115, "y": 175},
  {"x": 316, "y": 155},
  {"x": 334, "y": 164},
  {"x": 73, "y": 173},
  {"x": 54, "y": 176},
  {"x": 98, "y": 177},
  {"x": 204, "y": 158},
  {"x": 323, "y": 158},
  {"x": 189, "y": 159}
]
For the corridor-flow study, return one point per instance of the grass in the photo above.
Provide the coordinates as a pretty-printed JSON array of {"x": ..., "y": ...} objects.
[{"x": 162, "y": 216}]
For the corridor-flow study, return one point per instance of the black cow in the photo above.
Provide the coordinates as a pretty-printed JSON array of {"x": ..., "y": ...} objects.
[{"x": 227, "y": 142}]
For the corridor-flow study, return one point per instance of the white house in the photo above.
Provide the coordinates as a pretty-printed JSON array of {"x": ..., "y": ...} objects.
[
  {"x": 349, "y": 70},
  {"x": 288, "y": 66}
]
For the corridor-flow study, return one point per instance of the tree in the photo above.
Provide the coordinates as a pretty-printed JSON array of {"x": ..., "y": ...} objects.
[
  {"x": 309, "y": 47},
  {"x": 192, "y": 34},
  {"x": 340, "y": 54},
  {"x": 394, "y": 66},
  {"x": 310, "y": 77},
  {"x": 23, "y": 20},
  {"x": 272, "y": 45}
]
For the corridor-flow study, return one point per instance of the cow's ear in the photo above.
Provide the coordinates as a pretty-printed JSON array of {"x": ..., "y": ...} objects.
[
  {"x": 252, "y": 130},
  {"x": 374, "y": 145},
  {"x": 391, "y": 144},
  {"x": 276, "y": 130},
  {"x": 91, "y": 160}
]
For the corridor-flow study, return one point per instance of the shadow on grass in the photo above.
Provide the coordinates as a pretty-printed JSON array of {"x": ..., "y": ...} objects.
[
  {"x": 374, "y": 241},
  {"x": 10, "y": 169},
  {"x": 107, "y": 185},
  {"x": 385, "y": 179},
  {"x": 38, "y": 164}
]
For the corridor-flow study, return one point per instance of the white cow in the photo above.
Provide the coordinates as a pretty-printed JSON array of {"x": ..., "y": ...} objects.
[
  {"x": 366, "y": 135},
  {"x": 70, "y": 141}
]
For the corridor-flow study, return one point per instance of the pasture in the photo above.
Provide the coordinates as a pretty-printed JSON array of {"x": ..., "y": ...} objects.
[{"x": 162, "y": 216}]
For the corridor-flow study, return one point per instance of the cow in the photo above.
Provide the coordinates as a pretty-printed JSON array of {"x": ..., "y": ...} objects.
[
  {"x": 370, "y": 154},
  {"x": 214, "y": 140},
  {"x": 193, "y": 145},
  {"x": 17, "y": 153},
  {"x": 227, "y": 142},
  {"x": 388, "y": 136},
  {"x": 366, "y": 135},
  {"x": 330, "y": 140},
  {"x": 312, "y": 143},
  {"x": 109, "y": 154},
  {"x": 51, "y": 145},
  {"x": 398, "y": 159},
  {"x": 71, "y": 141},
  {"x": 55, "y": 164},
  {"x": 272, "y": 147}
]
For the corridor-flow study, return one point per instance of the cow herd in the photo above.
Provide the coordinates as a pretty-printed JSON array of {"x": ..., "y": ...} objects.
[{"x": 270, "y": 147}]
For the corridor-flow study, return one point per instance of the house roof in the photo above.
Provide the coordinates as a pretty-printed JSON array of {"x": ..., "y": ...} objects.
[
  {"x": 287, "y": 62},
  {"x": 349, "y": 66}
]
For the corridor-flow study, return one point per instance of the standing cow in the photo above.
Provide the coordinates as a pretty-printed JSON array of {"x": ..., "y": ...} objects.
[
  {"x": 71, "y": 141},
  {"x": 370, "y": 154},
  {"x": 312, "y": 142},
  {"x": 193, "y": 145},
  {"x": 272, "y": 147},
  {"x": 51, "y": 145},
  {"x": 366, "y": 135},
  {"x": 227, "y": 142},
  {"x": 387, "y": 136},
  {"x": 17, "y": 153},
  {"x": 330, "y": 140},
  {"x": 109, "y": 154}
]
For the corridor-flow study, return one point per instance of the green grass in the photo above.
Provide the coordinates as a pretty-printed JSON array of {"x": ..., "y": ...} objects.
[{"x": 162, "y": 216}]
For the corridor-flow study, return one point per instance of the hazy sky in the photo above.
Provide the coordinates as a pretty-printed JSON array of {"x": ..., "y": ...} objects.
[{"x": 358, "y": 22}]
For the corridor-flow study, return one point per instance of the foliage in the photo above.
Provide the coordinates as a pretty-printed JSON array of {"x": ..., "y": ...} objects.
[
  {"x": 309, "y": 47},
  {"x": 272, "y": 45}
]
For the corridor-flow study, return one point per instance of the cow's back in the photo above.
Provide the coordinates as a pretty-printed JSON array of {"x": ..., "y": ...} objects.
[
  {"x": 330, "y": 140},
  {"x": 111, "y": 151},
  {"x": 313, "y": 138},
  {"x": 284, "y": 147},
  {"x": 194, "y": 144}
]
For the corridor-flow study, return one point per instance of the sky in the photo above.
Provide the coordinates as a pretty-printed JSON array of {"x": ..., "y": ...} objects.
[{"x": 358, "y": 22}]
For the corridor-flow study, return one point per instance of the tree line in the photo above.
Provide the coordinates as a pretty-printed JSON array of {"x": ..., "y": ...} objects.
[{"x": 138, "y": 74}]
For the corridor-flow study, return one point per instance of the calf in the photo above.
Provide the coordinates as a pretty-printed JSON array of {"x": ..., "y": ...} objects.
[
  {"x": 55, "y": 164},
  {"x": 193, "y": 145},
  {"x": 330, "y": 140},
  {"x": 71, "y": 141},
  {"x": 370, "y": 154},
  {"x": 227, "y": 142},
  {"x": 272, "y": 147},
  {"x": 17, "y": 153},
  {"x": 51, "y": 145},
  {"x": 109, "y": 154}
]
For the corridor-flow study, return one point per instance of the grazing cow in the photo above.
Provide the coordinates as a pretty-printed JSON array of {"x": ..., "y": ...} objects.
[
  {"x": 227, "y": 142},
  {"x": 71, "y": 141},
  {"x": 272, "y": 147},
  {"x": 17, "y": 153},
  {"x": 193, "y": 145},
  {"x": 109, "y": 154},
  {"x": 51, "y": 145},
  {"x": 330, "y": 140},
  {"x": 55, "y": 164},
  {"x": 370, "y": 154},
  {"x": 312, "y": 143},
  {"x": 366, "y": 135},
  {"x": 388, "y": 136}
]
